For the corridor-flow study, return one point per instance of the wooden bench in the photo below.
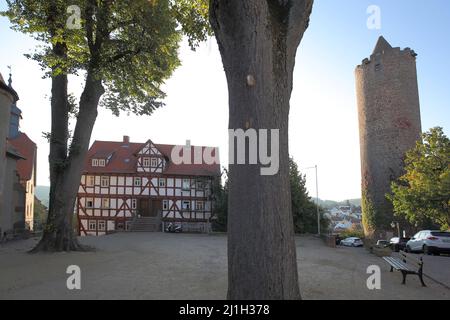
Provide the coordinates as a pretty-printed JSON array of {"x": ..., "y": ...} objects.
[{"x": 415, "y": 266}]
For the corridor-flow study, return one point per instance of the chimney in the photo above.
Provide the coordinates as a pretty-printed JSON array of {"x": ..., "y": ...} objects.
[{"x": 126, "y": 139}]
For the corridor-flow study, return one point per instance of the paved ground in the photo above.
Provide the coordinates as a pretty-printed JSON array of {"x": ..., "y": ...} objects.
[{"x": 185, "y": 266}]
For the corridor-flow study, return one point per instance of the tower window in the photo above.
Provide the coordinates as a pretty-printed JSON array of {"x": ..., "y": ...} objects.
[{"x": 378, "y": 67}]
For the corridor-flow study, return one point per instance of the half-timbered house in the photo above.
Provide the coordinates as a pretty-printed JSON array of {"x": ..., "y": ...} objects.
[{"x": 139, "y": 187}]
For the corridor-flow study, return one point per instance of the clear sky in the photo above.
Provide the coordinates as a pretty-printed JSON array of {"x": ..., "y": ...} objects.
[{"x": 323, "y": 120}]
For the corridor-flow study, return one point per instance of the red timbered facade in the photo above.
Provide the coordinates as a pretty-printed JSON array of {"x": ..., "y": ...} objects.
[{"x": 125, "y": 181}]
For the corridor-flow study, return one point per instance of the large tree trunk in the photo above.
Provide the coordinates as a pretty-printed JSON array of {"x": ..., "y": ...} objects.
[
  {"x": 258, "y": 40},
  {"x": 58, "y": 234}
]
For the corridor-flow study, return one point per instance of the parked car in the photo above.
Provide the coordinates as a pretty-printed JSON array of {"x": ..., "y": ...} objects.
[
  {"x": 383, "y": 243},
  {"x": 398, "y": 244},
  {"x": 352, "y": 242},
  {"x": 429, "y": 242}
]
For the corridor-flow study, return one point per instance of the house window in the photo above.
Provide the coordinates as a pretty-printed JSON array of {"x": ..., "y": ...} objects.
[
  {"x": 186, "y": 184},
  {"x": 154, "y": 162},
  {"x": 101, "y": 225},
  {"x": 133, "y": 203},
  {"x": 162, "y": 182},
  {"x": 95, "y": 162},
  {"x": 137, "y": 182},
  {"x": 165, "y": 204},
  {"x": 89, "y": 203},
  {"x": 199, "y": 205},
  {"x": 92, "y": 225},
  {"x": 146, "y": 162},
  {"x": 105, "y": 203},
  {"x": 90, "y": 181},
  {"x": 105, "y": 182},
  {"x": 186, "y": 205},
  {"x": 200, "y": 185},
  {"x": 101, "y": 162}
]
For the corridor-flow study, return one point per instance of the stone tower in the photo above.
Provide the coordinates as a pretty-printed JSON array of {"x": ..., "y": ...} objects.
[{"x": 389, "y": 125}]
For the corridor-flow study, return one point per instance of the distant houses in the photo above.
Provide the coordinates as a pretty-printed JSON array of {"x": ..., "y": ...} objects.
[{"x": 343, "y": 218}]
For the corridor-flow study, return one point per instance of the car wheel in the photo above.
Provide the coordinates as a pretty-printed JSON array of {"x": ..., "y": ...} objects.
[{"x": 426, "y": 250}]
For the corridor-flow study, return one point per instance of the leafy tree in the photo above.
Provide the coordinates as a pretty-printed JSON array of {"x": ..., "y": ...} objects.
[
  {"x": 304, "y": 209},
  {"x": 258, "y": 42},
  {"x": 124, "y": 50},
  {"x": 422, "y": 194},
  {"x": 221, "y": 205}
]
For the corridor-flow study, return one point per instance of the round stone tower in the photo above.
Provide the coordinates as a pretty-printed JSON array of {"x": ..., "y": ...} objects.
[{"x": 389, "y": 125}]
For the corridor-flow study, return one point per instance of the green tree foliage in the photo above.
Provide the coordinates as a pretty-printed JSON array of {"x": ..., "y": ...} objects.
[
  {"x": 422, "y": 194},
  {"x": 220, "y": 191},
  {"x": 131, "y": 43},
  {"x": 304, "y": 209}
]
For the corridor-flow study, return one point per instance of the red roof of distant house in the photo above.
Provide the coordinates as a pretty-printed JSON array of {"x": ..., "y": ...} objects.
[
  {"x": 124, "y": 159},
  {"x": 26, "y": 148}
]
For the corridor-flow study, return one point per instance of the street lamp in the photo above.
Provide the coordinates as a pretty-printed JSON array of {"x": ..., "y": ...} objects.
[{"x": 317, "y": 199}]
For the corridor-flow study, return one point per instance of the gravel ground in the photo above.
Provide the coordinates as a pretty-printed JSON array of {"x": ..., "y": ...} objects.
[{"x": 188, "y": 266}]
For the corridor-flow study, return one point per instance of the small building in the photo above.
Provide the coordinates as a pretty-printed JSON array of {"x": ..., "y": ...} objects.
[{"x": 129, "y": 186}]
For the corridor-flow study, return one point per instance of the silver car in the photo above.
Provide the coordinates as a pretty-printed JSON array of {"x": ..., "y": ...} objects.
[
  {"x": 352, "y": 242},
  {"x": 429, "y": 242}
]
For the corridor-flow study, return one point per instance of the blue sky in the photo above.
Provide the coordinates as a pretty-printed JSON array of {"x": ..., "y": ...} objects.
[{"x": 323, "y": 120}]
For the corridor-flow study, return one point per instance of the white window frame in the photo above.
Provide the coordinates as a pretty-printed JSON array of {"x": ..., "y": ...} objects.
[
  {"x": 106, "y": 180},
  {"x": 87, "y": 203},
  {"x": 188, "y": 207},
  {"x": 101, "y": 223},
  {"x": 134, "y": 204},
  {"x": 183, "y": 184},
  {"x": 162, "y": 182},
  {"x": 200, "y": 185},
  {"x": 94, "y": 162},
  {"x": 146, "y": 162},
  {"x": 153, "y": 162},
  {"x": 94, "y": 222},
  {"x": 165, "y": 204},
  {"x": 105, "y": 203},
  {"x": 101, "y": 162},
  {"x": 138, "y": 182},
  {"x": 90, "y": 181},
  {"x": 199, "y": 207}
]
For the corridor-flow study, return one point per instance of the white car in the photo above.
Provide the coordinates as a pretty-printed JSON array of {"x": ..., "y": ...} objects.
[
  {"x": 352, "y": 242},
  {"x": 429, "y": 242}
]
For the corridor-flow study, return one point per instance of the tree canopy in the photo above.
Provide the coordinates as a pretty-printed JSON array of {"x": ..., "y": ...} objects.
[
  {"x": 135, "y": 42},
  {"x": 423, "y": 193}
]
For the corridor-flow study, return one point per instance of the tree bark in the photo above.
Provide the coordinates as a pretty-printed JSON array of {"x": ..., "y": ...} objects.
[
  {"x": 258, "y": 40},
  {"x": 58, "y": 234},
  {"x": 66, "y": 166}
]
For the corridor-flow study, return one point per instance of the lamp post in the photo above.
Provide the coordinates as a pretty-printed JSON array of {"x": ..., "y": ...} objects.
[{"x": 317, "y": 199}]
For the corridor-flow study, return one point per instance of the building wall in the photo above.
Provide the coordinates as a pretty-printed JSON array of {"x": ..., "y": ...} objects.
[
  {"x": 13, "y": 207},
  {"x": 389, "y": 125},
  {"x": 5, "y": 108},
  {"x": 123, "y": 193}
]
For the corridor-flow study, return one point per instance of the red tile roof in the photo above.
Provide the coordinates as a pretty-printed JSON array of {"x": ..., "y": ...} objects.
[
  {"x": 124, "y": 159},
  {"x": 26, "y": 148}
]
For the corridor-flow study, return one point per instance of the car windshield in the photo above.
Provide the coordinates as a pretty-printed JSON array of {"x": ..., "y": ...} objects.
[{"x": 441, "y": 234}]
